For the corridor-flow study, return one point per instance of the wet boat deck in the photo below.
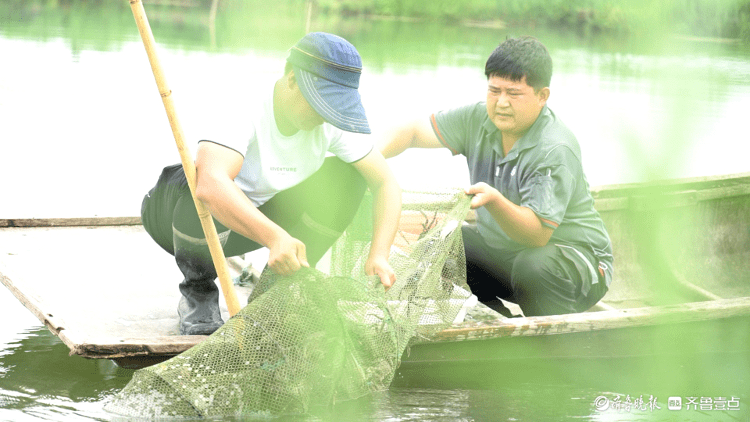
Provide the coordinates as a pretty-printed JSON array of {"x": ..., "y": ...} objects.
[{"x": 97, "y": 285}]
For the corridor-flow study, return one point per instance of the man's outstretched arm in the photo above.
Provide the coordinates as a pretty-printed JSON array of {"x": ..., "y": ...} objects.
[
  {"x": 519, "y": 223},
  {"x": 386, "y": 213},
  {"x": 216, "y": 167},
  {"x": 416, "y": 134}
]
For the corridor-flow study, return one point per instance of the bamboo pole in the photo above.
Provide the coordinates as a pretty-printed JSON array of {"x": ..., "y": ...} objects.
[
  {"x": 308, "y": 16},
  {"x": 212, "y": 22},
  {"x": 209, "y": 229}
]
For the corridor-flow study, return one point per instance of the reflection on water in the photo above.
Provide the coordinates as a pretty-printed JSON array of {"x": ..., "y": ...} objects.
[
  {"x": 77, "y": 84},
  {"x": 40, "y": 382}
]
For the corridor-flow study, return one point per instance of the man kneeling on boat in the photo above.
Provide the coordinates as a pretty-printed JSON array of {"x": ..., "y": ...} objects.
[
  {"x": 538, "y": 240},
  {"x": 270, "y": 184}
]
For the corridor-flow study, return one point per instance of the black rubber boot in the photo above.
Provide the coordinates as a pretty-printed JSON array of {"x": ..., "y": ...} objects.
[{"x": 199, "y": 305}]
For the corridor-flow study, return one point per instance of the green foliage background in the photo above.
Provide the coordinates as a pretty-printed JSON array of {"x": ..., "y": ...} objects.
[{"x": 700, "y": 18}]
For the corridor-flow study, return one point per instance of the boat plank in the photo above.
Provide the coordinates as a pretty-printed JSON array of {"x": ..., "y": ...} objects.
[
  {"x": 34, "y": 304},
  {"x": 593, "y": 321},
  {"x": 70, "y": 222},
  {"x": 114, "y": 348}
]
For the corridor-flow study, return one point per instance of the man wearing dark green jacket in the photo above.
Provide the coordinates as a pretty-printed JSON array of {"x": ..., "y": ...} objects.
[{"x": 538, "y": 240}]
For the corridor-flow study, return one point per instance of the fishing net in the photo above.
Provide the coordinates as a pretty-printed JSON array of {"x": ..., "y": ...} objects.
[{"x": 313, "y": 339}]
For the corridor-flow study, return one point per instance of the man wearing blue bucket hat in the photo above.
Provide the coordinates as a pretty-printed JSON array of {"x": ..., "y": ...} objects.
[{"x": 291, "y": 182}]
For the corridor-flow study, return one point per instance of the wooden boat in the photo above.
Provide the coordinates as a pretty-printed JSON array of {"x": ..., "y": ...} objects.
[{"x": 682, "y": 279}]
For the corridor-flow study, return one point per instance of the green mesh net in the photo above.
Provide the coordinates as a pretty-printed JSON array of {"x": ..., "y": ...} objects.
[{"x": 313, "y": 339}]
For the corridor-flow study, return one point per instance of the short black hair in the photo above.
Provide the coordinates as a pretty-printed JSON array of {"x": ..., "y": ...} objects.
[{"x": 525, "y": 56}]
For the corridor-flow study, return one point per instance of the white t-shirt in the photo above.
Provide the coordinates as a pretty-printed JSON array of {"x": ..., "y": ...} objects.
[{"x": 274, "y": 162}]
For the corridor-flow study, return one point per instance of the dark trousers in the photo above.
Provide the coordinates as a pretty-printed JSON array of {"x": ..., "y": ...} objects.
[
  {"x": 542, "y": 281},
  {"x": 316, "y": 211}
]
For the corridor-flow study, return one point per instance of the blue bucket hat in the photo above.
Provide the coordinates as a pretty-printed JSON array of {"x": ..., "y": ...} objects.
[{"x": 327, "y": 68}]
